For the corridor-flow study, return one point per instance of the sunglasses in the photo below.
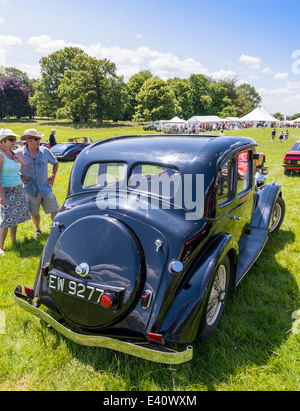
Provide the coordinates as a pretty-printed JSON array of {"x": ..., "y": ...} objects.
[
  {"x": 12, "y": 140},
  {"x": 35, "y": 139}
]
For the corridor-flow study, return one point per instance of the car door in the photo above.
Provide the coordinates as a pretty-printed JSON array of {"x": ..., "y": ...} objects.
[
  {"x": 235, "y": 194},
  {"x": 244, "y": 193}
]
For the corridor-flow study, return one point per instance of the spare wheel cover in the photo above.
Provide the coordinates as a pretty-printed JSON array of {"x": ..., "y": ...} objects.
[{"x": 113, "y": 259}]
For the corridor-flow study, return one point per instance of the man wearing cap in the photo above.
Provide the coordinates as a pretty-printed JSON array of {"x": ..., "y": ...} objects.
[{"x": 34, "y": 174}]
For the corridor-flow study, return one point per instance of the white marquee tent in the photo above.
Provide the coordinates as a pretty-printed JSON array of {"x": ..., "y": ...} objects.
[
  {"x": 175, "y": 121},
  {"x": 205, "y": 119},
  {"x": 259, "y": 114}
]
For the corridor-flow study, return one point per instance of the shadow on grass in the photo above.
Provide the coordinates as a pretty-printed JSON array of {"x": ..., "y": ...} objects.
[
  {"x": 29, "y": 247},
  {"x": 256, "y": 322}
]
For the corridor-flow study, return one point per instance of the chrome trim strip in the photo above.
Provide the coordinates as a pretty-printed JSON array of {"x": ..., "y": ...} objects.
[{"x": 145, "y": 350}]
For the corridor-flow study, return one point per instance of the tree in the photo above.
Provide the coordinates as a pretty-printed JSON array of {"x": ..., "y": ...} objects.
[
  {"x": 53, "y": 68},
  {"x": 250, "y": 94},
  {"x": 279, "y": 116},
  {"x": 199, "y": 94},
  {"x": 181, "y": 90},
  {"x": 134, "y": 86},
  {"x": 90, "y": 89},
  {"x": 156, "y": 100},
  {"x": 13, "y": 98}
]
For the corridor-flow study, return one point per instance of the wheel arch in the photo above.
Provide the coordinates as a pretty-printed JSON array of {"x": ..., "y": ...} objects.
[{"x": 182, "y": 321}]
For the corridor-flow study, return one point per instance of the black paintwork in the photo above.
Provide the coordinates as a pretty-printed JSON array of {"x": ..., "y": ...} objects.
[{"x": 120, "y": 244}]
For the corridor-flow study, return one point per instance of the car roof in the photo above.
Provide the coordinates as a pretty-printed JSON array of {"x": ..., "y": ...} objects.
[
  {"x": 166, "y": 149},
  {"x": 189, "y": 153}
]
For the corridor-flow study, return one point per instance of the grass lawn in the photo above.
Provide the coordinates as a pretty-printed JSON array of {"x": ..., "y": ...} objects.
[{"x": 256, "y": 346}]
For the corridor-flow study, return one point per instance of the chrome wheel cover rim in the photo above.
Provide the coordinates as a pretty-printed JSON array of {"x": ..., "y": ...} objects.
[
  {"x": 217, "y": 296},
  {"x": 276, "y": 217}
]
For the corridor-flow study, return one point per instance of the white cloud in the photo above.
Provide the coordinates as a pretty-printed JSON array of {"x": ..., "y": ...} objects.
[
  {"x": 45, "y": 44},
  {"x": 250, "y": 60},
  {"x": 2, "y": 21},
  {"x": 32, "y": 71},
  {"x": 285, "y": 99},
  {"x": 255, "y": 67},
  {"x": 223, "y": 74},
  {"x": 267, "y": 70},
  {"x": 129, "y": 62},
  {"x": 281, "y": 76},
  {"x": 7, "y": 42},
  {"x": 253, "y": 77},
  {"x": 168, "y": 65}
]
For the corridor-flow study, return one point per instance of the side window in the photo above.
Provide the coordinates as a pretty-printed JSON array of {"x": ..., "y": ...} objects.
[
  {"x": 225, "y": 179},
  {"x": 244, "y": 180}
]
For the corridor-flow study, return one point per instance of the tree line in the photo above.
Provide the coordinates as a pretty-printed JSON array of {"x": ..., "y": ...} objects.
[{"x": 76, "y": 86}]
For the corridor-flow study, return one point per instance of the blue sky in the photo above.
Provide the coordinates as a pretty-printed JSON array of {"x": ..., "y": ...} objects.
[{"x": 254, "y": 41}]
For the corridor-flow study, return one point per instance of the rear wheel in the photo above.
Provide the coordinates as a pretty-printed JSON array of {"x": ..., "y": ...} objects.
[
  {"x": 215, "y": 302},
  {"x": 277, "y": 215}
]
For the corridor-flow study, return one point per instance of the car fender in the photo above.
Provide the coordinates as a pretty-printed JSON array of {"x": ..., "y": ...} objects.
[
  {"x": 264, "y": 204},
  {"x": 182, "y": 321}
]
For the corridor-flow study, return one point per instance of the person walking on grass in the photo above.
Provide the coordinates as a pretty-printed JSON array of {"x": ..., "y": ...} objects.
[
  {"x": 13, "y": 206},
  {"x": 52, "y": 139},
  {"x": 273, "y": 135},
  {"x": 34, "y": 174}
]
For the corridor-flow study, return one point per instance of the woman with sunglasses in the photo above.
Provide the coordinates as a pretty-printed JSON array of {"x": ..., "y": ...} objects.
[{"x": 13, "y": 206}]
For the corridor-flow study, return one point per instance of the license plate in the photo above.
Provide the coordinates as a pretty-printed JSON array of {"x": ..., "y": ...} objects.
[{"x": 82, "y": 291}]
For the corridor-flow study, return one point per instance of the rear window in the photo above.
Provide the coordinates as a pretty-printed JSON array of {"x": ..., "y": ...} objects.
[
  {"x": 155, "y": 180},
  {"x": 102, "y": 175}
]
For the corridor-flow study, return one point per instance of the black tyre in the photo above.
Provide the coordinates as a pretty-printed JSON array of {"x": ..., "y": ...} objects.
[
  {"x": 216, "y": 299},
  {"x": 277, "y": 215}
]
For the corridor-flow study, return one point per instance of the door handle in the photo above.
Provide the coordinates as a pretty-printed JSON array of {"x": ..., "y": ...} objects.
[{"x": 234, "y": 217}]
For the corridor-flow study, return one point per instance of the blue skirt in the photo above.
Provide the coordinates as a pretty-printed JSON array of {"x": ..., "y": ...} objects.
[{"x": 16, "y": 209}]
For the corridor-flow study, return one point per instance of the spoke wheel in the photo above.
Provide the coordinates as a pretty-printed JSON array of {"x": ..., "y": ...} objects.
[
  {"x": 277, "y": 216},
  {"x": 217, "y": 296},
  {"x": 216, "y": 299}
]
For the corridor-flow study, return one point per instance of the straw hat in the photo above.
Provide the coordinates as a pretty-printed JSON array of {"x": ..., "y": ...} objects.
[
  {"x": 31, "y": 133},
  {"x": 6, "y": 132}
]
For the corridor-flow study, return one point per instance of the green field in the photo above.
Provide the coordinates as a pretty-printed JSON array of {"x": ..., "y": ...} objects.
[{"x": 256, "y": 346}]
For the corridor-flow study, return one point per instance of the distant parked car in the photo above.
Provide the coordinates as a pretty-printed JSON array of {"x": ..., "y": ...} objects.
[
  {"x": 149, "y": 127},
  {"x": 70, "y": 150},
  {"x": 153, "y": 233},
  {"x": 291, "y": 162}
]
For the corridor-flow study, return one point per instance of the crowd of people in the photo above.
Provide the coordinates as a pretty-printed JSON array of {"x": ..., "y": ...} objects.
[
  {"x": 24, "y": 182},
  {"x": 282, "y": 136}
]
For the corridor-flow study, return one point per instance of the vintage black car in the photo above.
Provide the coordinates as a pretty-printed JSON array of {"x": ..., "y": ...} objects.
[
  {"x": 153, "y": 232},
  {"x": 70, "y": 151}
]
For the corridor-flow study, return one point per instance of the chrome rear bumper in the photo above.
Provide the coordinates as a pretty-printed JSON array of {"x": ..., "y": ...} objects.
[{"x": 144, "y": 350}]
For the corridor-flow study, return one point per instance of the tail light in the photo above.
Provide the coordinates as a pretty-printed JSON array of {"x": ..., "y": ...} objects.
[
  {"x": 29, "y": 292},
  {"x": 156, "y": 338},
  {"x": 107, "y": 300}
]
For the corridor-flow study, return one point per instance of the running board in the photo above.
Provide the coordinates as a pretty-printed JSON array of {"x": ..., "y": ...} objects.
[{"x": 251, "y": 246}]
